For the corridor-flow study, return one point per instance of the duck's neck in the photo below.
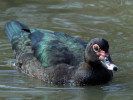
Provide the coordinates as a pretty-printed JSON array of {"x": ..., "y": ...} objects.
[
  {"x": 85, "y": 66},
  {"x": 90, "y": 66},
  {"x": 92, "y": 73}
]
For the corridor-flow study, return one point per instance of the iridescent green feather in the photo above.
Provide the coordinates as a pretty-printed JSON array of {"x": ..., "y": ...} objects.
[
  {"x": 49, "y": 47},
  {"x": 56, "y": 47}
]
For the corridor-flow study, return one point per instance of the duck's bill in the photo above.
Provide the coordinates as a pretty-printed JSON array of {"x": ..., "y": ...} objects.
[{"x": 106, "y": 63}]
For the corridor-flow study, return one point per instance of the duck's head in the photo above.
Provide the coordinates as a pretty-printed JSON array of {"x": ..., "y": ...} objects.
[{"x": 97, "y": 53}]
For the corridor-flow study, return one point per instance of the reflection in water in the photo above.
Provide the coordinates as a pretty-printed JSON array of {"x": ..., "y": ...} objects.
[{"x": 82, "y": 19}]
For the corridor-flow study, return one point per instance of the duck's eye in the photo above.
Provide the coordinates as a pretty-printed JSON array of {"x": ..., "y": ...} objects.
[{"x": 96, "y": 48}]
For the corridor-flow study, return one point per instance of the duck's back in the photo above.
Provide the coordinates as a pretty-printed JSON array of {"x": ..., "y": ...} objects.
[
  {"x": 49, "y": 47},
  {"x": 52, "y": 48}
]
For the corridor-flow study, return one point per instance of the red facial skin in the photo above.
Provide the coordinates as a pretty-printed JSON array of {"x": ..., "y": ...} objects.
[{"x": 100, "y": 52}]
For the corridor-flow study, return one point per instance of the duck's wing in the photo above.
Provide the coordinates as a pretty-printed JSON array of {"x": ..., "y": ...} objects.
[
  {"x": 55, "y": 47},
  {"x": 49, "y": 47}
]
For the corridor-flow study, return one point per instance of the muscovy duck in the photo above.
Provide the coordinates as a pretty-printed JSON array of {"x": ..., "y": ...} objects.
[{"x": 58, "y": 58}]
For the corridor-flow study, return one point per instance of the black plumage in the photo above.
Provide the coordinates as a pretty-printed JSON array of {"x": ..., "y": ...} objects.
[{"x": 56, "y": 57}]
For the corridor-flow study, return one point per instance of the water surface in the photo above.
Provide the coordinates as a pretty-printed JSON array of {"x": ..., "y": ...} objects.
[{"x": 110, "y": 19}]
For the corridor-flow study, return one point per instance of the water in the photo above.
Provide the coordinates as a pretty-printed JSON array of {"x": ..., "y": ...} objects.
[{"x": 111, "y": 19}]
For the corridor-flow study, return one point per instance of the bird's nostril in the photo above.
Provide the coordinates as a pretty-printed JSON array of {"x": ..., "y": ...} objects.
[{"x": 106, "y": 59}]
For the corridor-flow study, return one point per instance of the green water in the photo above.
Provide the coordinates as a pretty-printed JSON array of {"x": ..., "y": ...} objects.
[{"x": 84, "y": 19}]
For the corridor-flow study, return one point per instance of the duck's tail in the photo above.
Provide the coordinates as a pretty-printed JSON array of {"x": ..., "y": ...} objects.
[{"x": 15, "y": 28}]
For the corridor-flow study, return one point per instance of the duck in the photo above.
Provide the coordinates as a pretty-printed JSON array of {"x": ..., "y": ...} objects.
[{"x": 58, "y": 58}]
